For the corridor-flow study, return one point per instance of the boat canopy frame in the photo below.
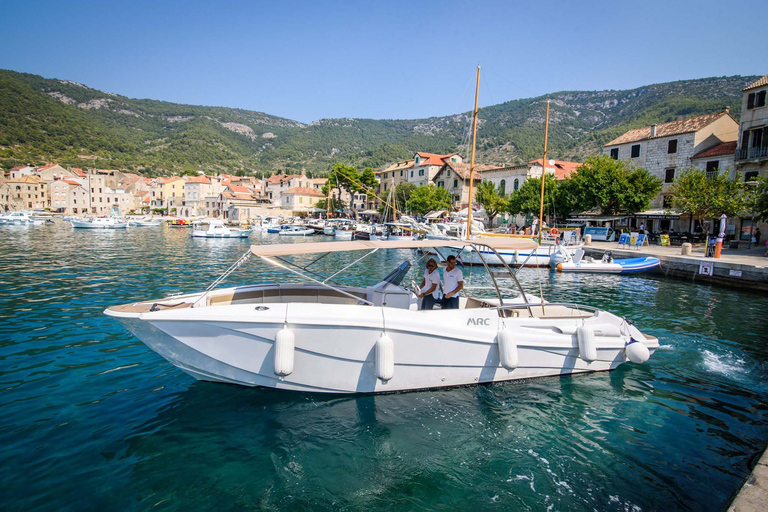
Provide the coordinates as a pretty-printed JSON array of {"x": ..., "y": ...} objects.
[{"x": 272, "y": 255}]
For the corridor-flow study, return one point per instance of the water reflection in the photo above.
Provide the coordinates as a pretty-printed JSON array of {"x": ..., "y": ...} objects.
[{"x": 87, "y": 410}]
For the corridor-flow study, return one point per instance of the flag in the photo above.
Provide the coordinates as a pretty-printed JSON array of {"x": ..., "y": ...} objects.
[{"x": 458, "y": 260}]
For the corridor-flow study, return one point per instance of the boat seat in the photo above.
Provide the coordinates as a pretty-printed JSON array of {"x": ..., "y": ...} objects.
[
  {"x": 547, "y": 311},
  {"x": 283, "y": 295}
]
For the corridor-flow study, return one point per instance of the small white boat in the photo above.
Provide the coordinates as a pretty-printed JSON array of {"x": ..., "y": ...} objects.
[
  {"x": 217, "y": 229},
  {"x": 268, "y": 224},
  {"x": 398, "y": 231},
  {"x": 578, "y": 262},
  {"x": 324, "y": 337},
  {"x": 20, "y": 218},
  {"x": 99, "y": 223},
  {"x": 144, "y": 223},
  {"x": 296, "y": 231},
  {"x": 345, "y": 229}
]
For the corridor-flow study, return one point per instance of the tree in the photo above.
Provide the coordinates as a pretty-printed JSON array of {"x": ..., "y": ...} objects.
[
  {"x": 704, "y": 197},
  {"x": 348, "y": 179},
  {"x": 759, "y": 199},
  {"x": 428, "y": 198},
  {"x": 604, "y": 183},
  {"x": 558, "y": 201},
  {"x": 490, "y": 198}
]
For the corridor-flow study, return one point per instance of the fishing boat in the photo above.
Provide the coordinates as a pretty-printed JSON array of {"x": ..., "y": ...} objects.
[
  {"x": 179, "y": 223},
  {"x": 578, "y": 262},
  {"x": 99, "y": 223},
  {"x": 217, "y": 229},
  {"x": 324, "y": 337},
  {"x": 296, "y": 231}
]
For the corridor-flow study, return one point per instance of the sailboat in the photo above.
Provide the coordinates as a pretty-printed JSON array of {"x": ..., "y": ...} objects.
[{"x": 539, "y": 256}]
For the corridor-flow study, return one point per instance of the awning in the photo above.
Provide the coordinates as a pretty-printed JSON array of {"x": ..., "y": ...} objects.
[
  {"x": 657, "y": 214},
  {"x": 369, "y": 212},
  {"x": 596, "y": 218},
  {"x": 512, "y": 244},
  {"x": 436, "y": 214}
]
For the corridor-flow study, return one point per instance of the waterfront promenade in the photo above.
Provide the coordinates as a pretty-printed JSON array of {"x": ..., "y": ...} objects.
[{"x": 742, "y": 268}]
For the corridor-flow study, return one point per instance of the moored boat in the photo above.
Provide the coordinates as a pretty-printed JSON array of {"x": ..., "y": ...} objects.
[
  {"x": 296, "y": 231},
  {"x": 578, "y": 262},
  {"x": 217, "y": 229},
  {"x": 98, "y": 223}
]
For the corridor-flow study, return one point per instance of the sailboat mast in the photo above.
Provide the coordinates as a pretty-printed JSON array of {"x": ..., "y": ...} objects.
[
  {"x": 543, "y": 174},
  {"x": 472, "y": 161}
]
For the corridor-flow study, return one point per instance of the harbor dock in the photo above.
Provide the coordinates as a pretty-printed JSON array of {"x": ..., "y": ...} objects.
[{"x": 741, "y": 268}]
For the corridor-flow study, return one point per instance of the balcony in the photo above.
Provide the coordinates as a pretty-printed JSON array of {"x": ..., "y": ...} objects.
[{"x": 752, "y": 153}]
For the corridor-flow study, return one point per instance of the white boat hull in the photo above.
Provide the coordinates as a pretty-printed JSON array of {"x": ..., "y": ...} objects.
[
  {"x": 96, "y": 224},
  {"x": 539, "y": 257},
  {"x": 335, "y": 345},
  {"x": 343, "y": 235}
]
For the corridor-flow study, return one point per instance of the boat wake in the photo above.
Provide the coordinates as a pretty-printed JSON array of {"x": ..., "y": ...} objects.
[{"x": 724, "y": 364}]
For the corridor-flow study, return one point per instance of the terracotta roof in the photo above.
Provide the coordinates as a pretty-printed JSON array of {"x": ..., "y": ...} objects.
[
  {"x": 759, "y": 83},
  {"x": 237, "y": 189},
  {"x": 319, "y": 181},
  {"x": 277, "y": 178},
  {"x": 163, "y": 181},
  {"x": 17, "y": 168},
  {"x": 238, "y": 196},
  {"x": 27, "y": 179},
  {"x": 79, "y": 172},
  {"x": 141, "y": 193},
  {"x": 405, "y": 164},
  {"x": 71, "y": 182},
  {"x": 463, "y": 169},
  {"x": 199, "y": 179},
  {"x": 563, "y": 169},
  {"x": 724, "y": 148},
  {"x": 304, "y": 191},
  {"x": 433, "y": 159},
  {"x": 46, "y": 167},
  {"x": 692, "y": 124}
]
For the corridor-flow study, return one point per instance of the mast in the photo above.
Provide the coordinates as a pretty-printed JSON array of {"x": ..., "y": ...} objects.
[
  {"x": 543, "y": 174},
  {"x": 394, "y": 200},
  {"x": 472, "y": 161},
  {"x": 327, "y": 199}
]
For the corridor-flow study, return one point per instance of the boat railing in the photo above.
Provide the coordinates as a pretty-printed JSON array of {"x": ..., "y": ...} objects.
[{"x": 509, "y": 309}]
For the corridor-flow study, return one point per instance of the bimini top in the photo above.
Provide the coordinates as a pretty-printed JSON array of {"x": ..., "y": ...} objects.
[{"x": 507, "y": 244}]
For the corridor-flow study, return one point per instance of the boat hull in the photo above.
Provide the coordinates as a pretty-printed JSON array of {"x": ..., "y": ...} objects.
[
  {"x": 335, "y": 345},
  {"x": 624, "y": 266},
  {"x": 96, "y": 225},
  {"x": 539, "y": 257}
]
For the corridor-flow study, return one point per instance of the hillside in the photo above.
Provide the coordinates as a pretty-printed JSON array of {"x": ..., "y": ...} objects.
[{"x": 49, "y": 120}]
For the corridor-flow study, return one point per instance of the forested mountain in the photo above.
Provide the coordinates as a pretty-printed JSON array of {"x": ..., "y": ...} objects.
[{"x": 50, "y": 120}]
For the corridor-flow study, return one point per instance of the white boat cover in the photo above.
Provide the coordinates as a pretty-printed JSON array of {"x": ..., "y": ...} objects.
[{"x": 506, "y": 244}]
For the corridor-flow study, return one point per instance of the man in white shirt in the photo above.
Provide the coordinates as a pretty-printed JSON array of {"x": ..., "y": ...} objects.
[
  {"x": 430, "y": 285},
  {"x": 454, "y": 283}
]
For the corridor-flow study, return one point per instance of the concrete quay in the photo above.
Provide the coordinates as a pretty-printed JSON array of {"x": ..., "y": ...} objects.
[
  {"x": 753, "y": 496},
  {"x": 739, "y": 268}
]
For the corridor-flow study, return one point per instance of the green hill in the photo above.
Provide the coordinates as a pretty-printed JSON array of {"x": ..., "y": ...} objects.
[{"x": 49, "y": 120}]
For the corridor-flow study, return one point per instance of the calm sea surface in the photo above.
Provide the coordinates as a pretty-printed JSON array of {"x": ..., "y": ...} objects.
[{"x": 91, "y": 419}]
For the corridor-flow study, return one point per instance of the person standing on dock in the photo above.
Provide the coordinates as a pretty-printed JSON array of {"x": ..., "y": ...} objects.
[{"x": 454, "y": 283}]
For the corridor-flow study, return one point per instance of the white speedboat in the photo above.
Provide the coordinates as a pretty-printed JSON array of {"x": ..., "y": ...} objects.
[
  {"x": 329, "y": 338},
  {"x": 20, "y": 218},
  {"x": 296, "y": 231},
  {"x": 398, "y": 231},
  {"x": 99, "y": 223},
  {"x": 267, "y": 224},
  {"x": 217, "y": 229}
]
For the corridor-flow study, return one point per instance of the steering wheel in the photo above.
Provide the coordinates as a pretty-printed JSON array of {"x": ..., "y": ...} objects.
[{"x": 415, "y": 288}]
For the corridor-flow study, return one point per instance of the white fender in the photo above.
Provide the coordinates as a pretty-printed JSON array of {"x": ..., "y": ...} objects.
[
  {"x": 587, "y": 345},
  {"x": 507, "y": 349},
  {"x": 385, "y": 358},
  {"x": 284, "y": 348},
  {"x": 637, "y": 352}
]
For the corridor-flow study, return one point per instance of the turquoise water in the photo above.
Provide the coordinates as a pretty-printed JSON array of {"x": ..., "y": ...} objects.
[{"x": 90, "y": 419}]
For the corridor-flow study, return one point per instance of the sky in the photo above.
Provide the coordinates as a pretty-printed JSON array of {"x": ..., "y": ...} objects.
[{"x": 308, "y": 60}]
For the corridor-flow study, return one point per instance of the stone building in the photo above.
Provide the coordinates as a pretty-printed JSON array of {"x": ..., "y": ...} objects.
[
  {"x": 301, "y": 199},
  {"x": 27, "y": 192},
  {"x": 275, "y": 185},
  {"x": 426, "y": 166},
  {"x": 666, "y": 149},
  {"x": 454, "y": 177}
]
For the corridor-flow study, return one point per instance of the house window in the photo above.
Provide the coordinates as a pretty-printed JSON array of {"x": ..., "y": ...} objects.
[
  {"x": 502, "y": 188},
  {"x": 615, "y": 153},
  {"x": 411, "y": 174},
  {"x": 453, "y": 159},
  {"x": 757, "y": 138},
  {"x": 440, "y": 184},
  {"x": 401, "y": 174},
  {"x": 416, "y": 160},
  {"x": 517, "y": 183},
  {"x": 666, "y": 202},
  {"x": 669, "y": 176},
  {"x": 455, "y": 183},
  {"x": 751, "y": 101},
  {"x": 421, "y": 172},
  {"x": 751, "y": 176},
  {"x": 672, "y": 146},
  {"x": 760, "y": 99},
  {"x": 635, "y": 151},
  {"x": 712, "y": 168}
]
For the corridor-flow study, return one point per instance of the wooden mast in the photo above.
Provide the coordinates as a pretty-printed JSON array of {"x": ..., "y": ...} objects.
[
  {"x": 543, "y": 174},
  {"x": 472, "y": 161}
]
